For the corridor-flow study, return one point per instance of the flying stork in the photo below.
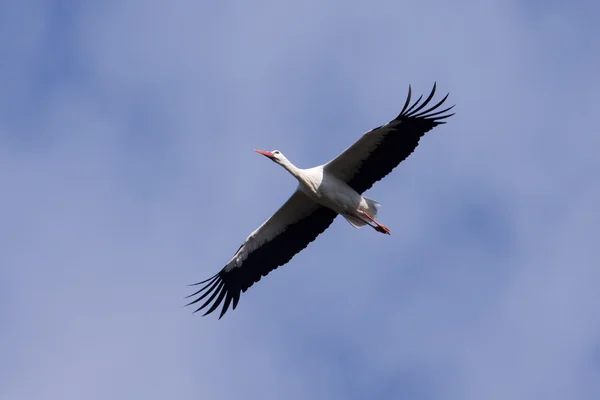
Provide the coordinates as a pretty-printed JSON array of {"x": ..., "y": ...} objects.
[{"x": 323, "y": 192}]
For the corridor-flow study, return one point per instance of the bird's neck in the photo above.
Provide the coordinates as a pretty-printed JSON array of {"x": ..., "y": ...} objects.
[{"x": 291, "y": 168}]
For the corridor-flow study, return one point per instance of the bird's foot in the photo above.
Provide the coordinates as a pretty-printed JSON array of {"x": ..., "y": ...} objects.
[
  {"x": 378, "y": 227},
  {"x": 383, "y": 229}
]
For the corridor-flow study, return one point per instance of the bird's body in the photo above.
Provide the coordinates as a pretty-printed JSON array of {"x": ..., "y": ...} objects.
[
  {"x": 326, "y": 189},
  {"x": 323, "y": 192}
]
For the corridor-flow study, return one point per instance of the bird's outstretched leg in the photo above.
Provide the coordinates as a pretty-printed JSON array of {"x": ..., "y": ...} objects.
[{"x": 378, "y": 227}]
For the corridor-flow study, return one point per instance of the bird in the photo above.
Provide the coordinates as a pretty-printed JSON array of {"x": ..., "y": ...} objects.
[{"x": 323, "y": 193}]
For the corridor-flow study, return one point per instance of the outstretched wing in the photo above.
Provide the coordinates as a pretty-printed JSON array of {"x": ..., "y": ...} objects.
[
  {"x": 297, "y": 223},
  {"x": 380, "y": 150}
]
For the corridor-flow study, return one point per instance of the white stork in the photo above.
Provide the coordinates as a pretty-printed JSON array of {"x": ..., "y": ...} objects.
[{"x": 323, "y": 192}]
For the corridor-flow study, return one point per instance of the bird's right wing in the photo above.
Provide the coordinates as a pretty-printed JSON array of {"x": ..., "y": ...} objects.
[{"x": 297, "y": 223}]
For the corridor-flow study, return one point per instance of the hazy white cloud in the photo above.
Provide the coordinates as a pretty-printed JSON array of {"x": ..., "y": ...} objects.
[{"x": 126, "y": 131}]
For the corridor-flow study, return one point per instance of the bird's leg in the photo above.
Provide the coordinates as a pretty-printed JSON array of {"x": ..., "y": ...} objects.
[{"x": 379, "y": 227}]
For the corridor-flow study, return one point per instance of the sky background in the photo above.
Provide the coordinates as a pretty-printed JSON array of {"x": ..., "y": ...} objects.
[{"x": 127, "y": 172}]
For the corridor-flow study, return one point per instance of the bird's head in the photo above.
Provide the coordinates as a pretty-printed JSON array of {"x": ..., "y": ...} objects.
[{"x": 274, "y": 155}]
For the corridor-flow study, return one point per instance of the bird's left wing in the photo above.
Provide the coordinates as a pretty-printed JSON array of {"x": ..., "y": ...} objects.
[
  {"x": 297, "y": 223},
  {"x": 380, "y": 150}
]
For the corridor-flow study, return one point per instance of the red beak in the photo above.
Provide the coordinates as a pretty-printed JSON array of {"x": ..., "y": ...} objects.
[{"x": 265, "y": 153}]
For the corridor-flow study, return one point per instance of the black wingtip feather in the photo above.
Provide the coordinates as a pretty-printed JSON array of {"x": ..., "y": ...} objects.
[
  {"x": 212, "y": 280},
  {"x": 415, "y": 104},
  {"x": 440, "y": 112},
  {"x": 407, "y": 102},
  {"x": 416, "y": 114},
  {"x": 218, "y": 301},
  {"x": 236, "y": 298},
  {"x": 218, "y": 288},
  {"x": 215, "y": 291},
  {"x": 225, "y": 305},
  {"x": 226, "y": 286},
  {"x": 212, "y": 285},
  {"x": 399, "y": 138},
  {"x": 204, "y": 281}
]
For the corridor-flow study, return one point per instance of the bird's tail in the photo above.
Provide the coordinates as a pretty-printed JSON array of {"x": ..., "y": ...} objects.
[
  {"x": 354, "y": 221},
  {"x": 371, "y": 208}
]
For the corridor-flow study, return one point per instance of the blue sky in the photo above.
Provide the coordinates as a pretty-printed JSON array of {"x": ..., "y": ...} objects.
[{"x": 126, "y": 137}]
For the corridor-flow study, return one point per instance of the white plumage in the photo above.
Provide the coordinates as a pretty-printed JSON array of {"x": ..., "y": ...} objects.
[{"x": 323, "y": 192}]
